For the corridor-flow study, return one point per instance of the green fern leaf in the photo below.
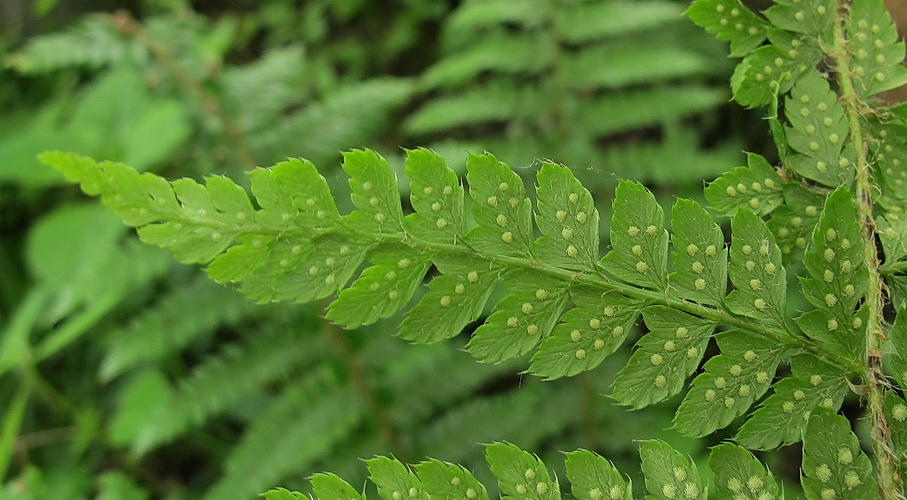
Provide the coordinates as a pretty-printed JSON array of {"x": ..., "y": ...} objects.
[
  {"x": 621, "y": 110},
  {"x": 838, "y": 280},
  {"x": 522, "y": 319},
  {"x": 885, "y": 145},
  {"x": 811, "y": 17},
  {"x": 730, "y": 383},
  {"x": 729, "y": 21},
  {"x": 587, "y": 334},
  {"x": 521, "y": 474},
  {"x": 896, "y": 417},
  {"x": 699, "y": 256},
  {"x": 447, "y": 481},
  {"x": 792, "y": 223},
  {"x": 739, "y": 475},
  {"x": 594, "y": 478},
  {"x": 664, "y": 357},
  {"x": 773, "y": 69},
  {"x": 756, "y": 271},
  {"x": 500, "y": 208},
  {"x": 284, "y": 494},
  {"x": 493, "y": 102},
  {"x": 833, "y": 464},
  {"x": 873, "y": 38},
  {"x": 781, "y": 419},
  {"x": 395, "y": 480},
  {"x": 893, "y": 234},
  {"x": 756, "y": 187},
  {"x": 437, "y": 197},
  {"x": 381, "y": 290},
  {"x": 818, "y": 131},
  {"x": 638, "y": 238},
  {"x": 457, "y": 297},
  {"x": 669, "y": 474},
  {"x": 567, "y": 219},
  {"x": 330, "y": 487},
  {"x": 374, "y": 193}
]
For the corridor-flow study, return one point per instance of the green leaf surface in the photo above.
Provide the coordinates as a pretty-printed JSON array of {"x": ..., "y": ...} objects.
[
  {"x": 437, "y": 197},
  {"x": 587, "y": 334},
  {"x": 500, "y": 208},
  {"x": 638, "y": 239},
  {"x": 327, "y": 486},
  {"x": 834, "y": 466},
  {"x": 729, "y": 384},
  {"x": 699, "y": 256},
  {"x": 522, "y": 319},
  {"x": 756, "y": 187},
  {"x": 663, "y": 358},
  {"x": 567, "y": 219},
  {"x": 447, "y": 481},
  {"x": 521, "y": 474},
  {"x": 394, "y": 479},
  {"x": 669, "y": 474},
  {"x": 729, "y": 21},
  {"x": 818, "y": 131},
  {"x": 739, "y": 475},
  {"x": 756, "y": 271},
  {"x": 873, "y": 38},
  {"x": 781, "y": 418},
  {"x": 374, "y": 192},
  {"x": 457, "y": 297},
  {"x": 594, "y": 478}
]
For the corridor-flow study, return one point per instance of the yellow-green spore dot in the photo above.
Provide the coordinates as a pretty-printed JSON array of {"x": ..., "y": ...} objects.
[
  {"x": 527, "y": 308},
  {"x": 681, "y": 332},
  {"x": 692, "y": 353},
  {"x": 851, "y": 479},
  {"x": 541, "y": 488},
  {"x": 670, "y": 346},
  {"x": 749, "y": 356},
  {"x": 692, "y": 249},
  {"x": 596, "y": 494},
  {"x": 735, "y": 370},
  {"x": 445, "y": 301},
  {"x": 661, "y": 381},
  {"x": 633, "y": 231},
  {"x": 828, "y": 494},
  {"x": 598, "y": 345},
  {"x": 699, "y": 284},
  {"x": 788, "y": 407},
  {"x": 656, "y": 359},
  {"x": 470, "y": 493},
  {"x": 576, "y": 335},
  {"x": 473, "y": 276},
  {"x": 642, "y": 266},
  {"x": 532, "y": 329},
  {"x": 729, "y": 402},
  {"x": 652, "y": 230},
  {"x": 734, "y": 484},
  {"x": 711, "y": 251},
  {"x": 541, "y": 294},
  {"x": 690, "y": 490},
  {"x": 572, "y": 251},
  {"x": 697, "y": 267},
  {"x": 710, "y": 395},
  {"x": 617, "y": 331},
  {"x": 845, "y": 456},
  {"x": 520, "y": 489},
  {"x": 669, "y": 490},
  {"x": 720, "y": 383},
  {"x": 762, "y": 377},
  {"x": 680, "y": 474},
  {"x": 823, "y": 473},
  {"x": 799, "y": 395},
  {"x": 754, "y": 483},
  {"x": 815, "y": 380},
  {"x": 512, "y": 322},
  {"x": 744, "y": 390},
  {"x": 899, "y": 412}
]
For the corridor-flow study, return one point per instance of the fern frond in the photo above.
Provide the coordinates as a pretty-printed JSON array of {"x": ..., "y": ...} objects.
[
  {"x": 298, "y": 247},
  {"x": 93, "y": 43},
  {"x": 636, "y": 64},
  {"x": 171, "y": 324},
  {"x": 144, "y": 422},
  {"x": 496, "y": 102},
  {"x": 588, "y": 21},
  {"x": 520, "y": 54}
]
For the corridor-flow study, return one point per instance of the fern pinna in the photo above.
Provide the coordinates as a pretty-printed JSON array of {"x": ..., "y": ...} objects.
[{"x": 839, "y": 188}]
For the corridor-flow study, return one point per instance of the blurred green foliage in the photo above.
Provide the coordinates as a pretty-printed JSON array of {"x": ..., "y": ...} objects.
[{"x": 126, "y": 376}]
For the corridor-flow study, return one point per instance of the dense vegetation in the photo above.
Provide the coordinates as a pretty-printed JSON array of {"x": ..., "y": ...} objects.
[{"x": 128, "y": 375}]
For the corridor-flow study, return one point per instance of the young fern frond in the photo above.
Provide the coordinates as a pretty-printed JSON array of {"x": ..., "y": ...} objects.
[{"x": 298, "y": 247}]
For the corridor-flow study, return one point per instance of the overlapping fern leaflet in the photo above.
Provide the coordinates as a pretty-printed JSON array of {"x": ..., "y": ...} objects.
[
  {"x": 833, "y": 467},
  {"x": 296, "y": 246}
]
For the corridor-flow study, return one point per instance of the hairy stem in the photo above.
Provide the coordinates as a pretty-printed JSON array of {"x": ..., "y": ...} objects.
[{"x": 873, "y": 375}]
